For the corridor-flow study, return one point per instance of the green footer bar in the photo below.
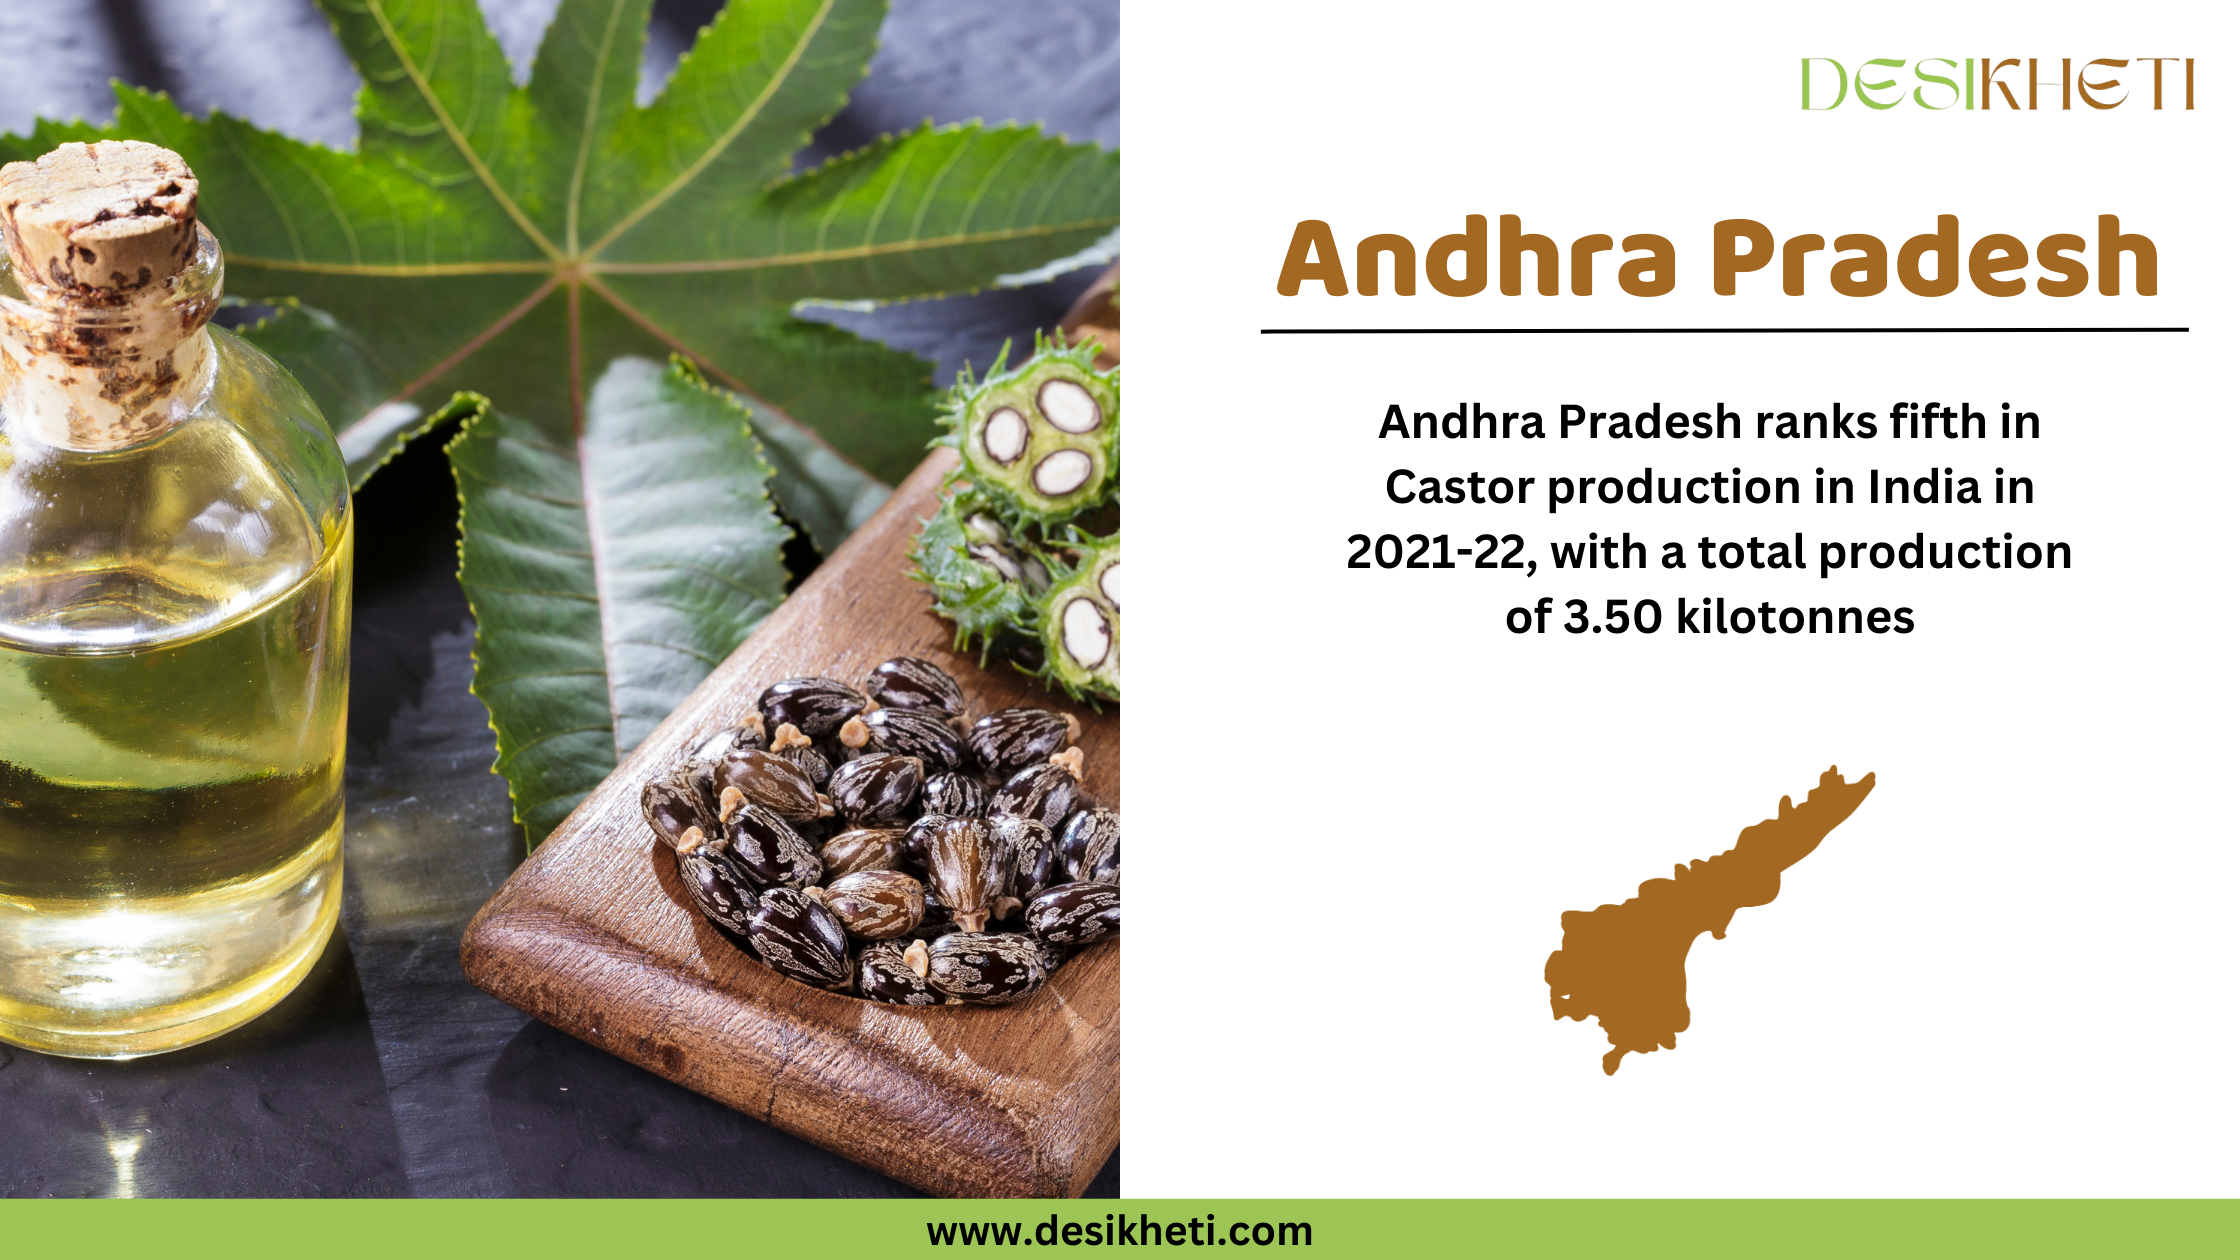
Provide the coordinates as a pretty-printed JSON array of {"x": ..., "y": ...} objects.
[{"x": 752, "y": 1228}]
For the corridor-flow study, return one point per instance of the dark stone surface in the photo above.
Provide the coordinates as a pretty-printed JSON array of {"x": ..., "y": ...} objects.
[
  {"x": 292, "y": 1105},
  {"x": 387, "y": 1073}
]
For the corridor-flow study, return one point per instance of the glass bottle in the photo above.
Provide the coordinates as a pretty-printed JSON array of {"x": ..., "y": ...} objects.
[{"x": 175, "y": 540}]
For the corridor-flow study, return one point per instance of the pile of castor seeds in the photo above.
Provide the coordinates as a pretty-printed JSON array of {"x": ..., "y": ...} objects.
[{"x": 879, "y": 842}]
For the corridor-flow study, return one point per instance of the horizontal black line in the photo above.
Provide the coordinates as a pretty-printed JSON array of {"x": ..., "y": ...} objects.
[{"x": 1544, "y": 331}]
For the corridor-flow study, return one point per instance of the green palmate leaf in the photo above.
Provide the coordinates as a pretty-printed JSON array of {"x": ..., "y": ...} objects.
[
  {"x": 609, "y": 573},
  {"x": 525, "y": 242},
  {"x": 514, "y": 240}
]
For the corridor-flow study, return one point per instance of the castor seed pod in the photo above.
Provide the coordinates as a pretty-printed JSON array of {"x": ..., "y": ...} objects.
[
  {"x": 674, "y": 805},
  {"x": 970, "y": 866},
  {"x": 956, "y": 793},
  {"x": 909, "y": 683},
  {"x": 1075, "y": 914},
  {"x": 862, "y": 849},
  {"x": 878, "y": 789},
  {"x": 990, "y": 968},
  {"x": 800, "y": 939},
  {"x": 1035, "y": 854},
  {"x": 1009, "y": 740},
  {"x": 714, "y": 882},
  {"x": 817, "y": 705},
  {"x": 773, "y": 853},
  {"x": 884, "y": 974},
  {"x": 1077, "y": 621},
  {"x": 876, "y": 905},
  {"x": 910, "y": 732},
  {"x": 1041, "y": 440},
  {"x": 1045, "y": 793},
  {"x": 1090, "y": 845},
  {"x": 771, "y": 781}
]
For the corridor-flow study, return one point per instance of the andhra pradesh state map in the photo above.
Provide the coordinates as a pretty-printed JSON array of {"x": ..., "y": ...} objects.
[{"x": 1626, "y": 965}]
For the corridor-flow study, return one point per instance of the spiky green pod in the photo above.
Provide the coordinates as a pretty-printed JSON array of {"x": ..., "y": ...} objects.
[
  {"x": 984, "y": 578},
  {"x": 1079, "y": 621},
  {"x": 1041, "y": 442}
]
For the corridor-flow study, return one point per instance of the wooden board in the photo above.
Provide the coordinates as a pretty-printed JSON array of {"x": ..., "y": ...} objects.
[{"x": 594, "y": 936}]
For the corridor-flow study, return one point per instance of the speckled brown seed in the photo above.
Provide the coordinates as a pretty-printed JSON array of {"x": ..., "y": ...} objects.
[
  {"x": 772, "y": 852},
  {"x": 800, "y": 939},
  {"x": 878, "y": 789},
  {"x": 714, "y": 882},
  {"x": 956, "y": 793},
  {"x": 1046, "y": 793},
  {"x": 1090, "y": 844},
  {"x": 884, "y": 975},
  {"x": 817, "y": 705},
  {"x": 862, "y": 849},
  {"x": 773, "y": 782},
  {"x": 970, "y": 867},
  {"x": 703, "y": 758},
  {"x": 909, "y": 683},
  {"x": 810, "y": 762},
  {"x": 1009, "y": 740},
  {"x": 916, "y": 733},
  {"x": 1035, "y": 854},
  {"x": 1075, "y": 914},
  {"x": 876, "y": 905},
  {"x": 986, "y": 967},
  {"x": 674, "y": 805}
]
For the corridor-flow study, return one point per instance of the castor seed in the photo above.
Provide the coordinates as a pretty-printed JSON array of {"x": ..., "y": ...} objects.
[
  {"x": 800, "y": 939},
  {"x": 1046, "y": 793},
  {"x": 1035, "y": 853},
  {"x": 877, "y": 789},
  {"x": 674, "y": 805},
  {"x": 771, "y": 781},
  {"x": 884, "y": 974},
  {"x": 1075, "y": 914},
  {"x": 772, "y": 852},
  {"x": 970, "y": 867},
  {"x": 918, "y": 837},
  {"x": 1090, "y": 845},
  {"x": 876, "y": 905},
  {"x": 714, "y": 881},
  {"x": 703, "y": 758},
  {"x": 910, "y": 732},
  {"x": 938, "y": 922},
  {"x": 817, "y": 705},
  {"x": 956, "y": 793},
  {"x": 909, "y": 683},
  {"x": 862, "y": 849},
  {"x": 991, "y": 968},
  {"x": 804, "y": 755},
  {"x": 1009, "y": 740}
]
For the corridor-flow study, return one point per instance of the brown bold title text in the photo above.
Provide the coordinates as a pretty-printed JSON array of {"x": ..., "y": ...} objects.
[{"x": 1931, "y": 265}]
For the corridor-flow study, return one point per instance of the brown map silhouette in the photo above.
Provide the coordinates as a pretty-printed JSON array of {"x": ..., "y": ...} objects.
[{"x": 1626, "y": 965}]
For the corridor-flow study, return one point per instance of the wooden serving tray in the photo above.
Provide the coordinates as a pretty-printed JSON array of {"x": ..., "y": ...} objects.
[{"x": 594, "y": 936}]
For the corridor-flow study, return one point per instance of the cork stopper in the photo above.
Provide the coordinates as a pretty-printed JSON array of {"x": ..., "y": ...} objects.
[
  {"x": 106, "y": 347},
  {"x": 114, "y": 216}
]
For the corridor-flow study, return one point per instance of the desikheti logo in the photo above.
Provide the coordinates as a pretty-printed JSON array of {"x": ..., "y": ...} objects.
[{"x": 1972, "y": 83}]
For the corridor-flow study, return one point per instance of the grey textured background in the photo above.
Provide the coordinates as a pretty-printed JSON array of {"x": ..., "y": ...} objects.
[{"x": 386, "y": 1073}]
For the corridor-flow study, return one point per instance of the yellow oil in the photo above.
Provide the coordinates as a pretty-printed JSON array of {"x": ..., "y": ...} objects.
[{"x": 172, "y": 702}]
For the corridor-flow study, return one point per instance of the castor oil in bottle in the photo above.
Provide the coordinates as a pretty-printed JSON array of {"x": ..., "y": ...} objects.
[{"x": 175, "y": 540}]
